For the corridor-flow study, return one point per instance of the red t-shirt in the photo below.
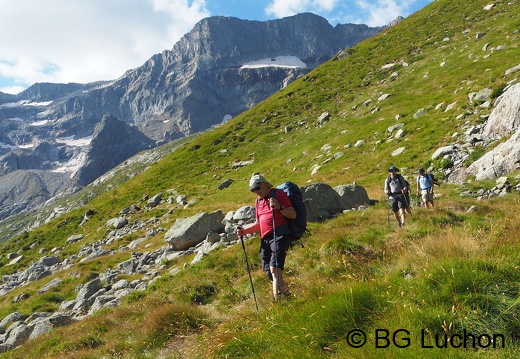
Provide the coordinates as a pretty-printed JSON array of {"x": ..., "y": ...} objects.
[{"x": 264, "y": 212}]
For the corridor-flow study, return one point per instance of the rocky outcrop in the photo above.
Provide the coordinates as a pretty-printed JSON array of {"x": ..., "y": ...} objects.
[
  {"x": 502, "y": 124},
  {"x": 188, "y": 232},
  {"x": 504, "y": 121}
]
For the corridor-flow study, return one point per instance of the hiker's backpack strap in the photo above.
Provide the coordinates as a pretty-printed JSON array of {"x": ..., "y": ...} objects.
[{"x": 400, "y": 178}]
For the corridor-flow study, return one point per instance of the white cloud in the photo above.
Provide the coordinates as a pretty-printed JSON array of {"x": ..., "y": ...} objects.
[
  {"x": 282, "y": 8},
  {"x": 369, "y": 12},
  {"x": 85, "y": 41},
  {"x": 381, "y": 12}
]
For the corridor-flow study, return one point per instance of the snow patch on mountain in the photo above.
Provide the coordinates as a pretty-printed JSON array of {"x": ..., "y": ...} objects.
[
  {"x": 73, "y": 165},
  {"x": 279, "y": 61},
  {"x": 72, "y": 141},
  {"x": 24, "y": 103}
]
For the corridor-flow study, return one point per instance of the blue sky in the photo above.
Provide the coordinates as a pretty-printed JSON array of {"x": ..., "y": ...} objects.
[{"x": 83, "y": 41}]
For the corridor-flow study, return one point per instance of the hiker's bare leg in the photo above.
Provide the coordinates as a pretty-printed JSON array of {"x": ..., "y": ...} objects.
[
  {"x": 397, "y": 217},
  {"x": 279, "y": 284},
  {"x": 402, "y": 212}
]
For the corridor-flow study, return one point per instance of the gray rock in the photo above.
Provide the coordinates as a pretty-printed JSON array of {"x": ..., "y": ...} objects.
[
  {"x": 503, "y": 121},
  {"x": 117, "y": 223},
  {"x": 442, "y": 151},
  {"x": 188, "y": 232},
  {"x": 225, "y": 184},
  {"x": 74, "y": 238},
  {"x": 244, "y": 213},
  {"x": 352, "y": 195},
  {"x": 324, "y": 117},
  {"x": 113, "y": 141},
  {"x": 104, "y": 301},
  {"x": 154, "y": 201},
  {"x": 17, "y": 333},
  {"x": 323, "y": 197},
  {"x": 43, "y": 325},
  {"x": 89, "y": 289},
  {"x": 13, "y": 317},
  {"x": 52, "y": 284}
]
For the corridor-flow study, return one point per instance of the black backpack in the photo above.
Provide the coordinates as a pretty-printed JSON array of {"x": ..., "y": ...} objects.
[
  {"x": 433, "y": 180},
  {"x": 297, "y": 226}
]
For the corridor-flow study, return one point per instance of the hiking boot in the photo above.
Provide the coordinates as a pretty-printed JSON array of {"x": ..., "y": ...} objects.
[
  {"x": 281, "y": 295},
  {"x": 285, "y": 294}
]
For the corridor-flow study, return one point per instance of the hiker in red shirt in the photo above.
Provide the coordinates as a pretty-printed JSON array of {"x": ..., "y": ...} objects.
[{"x": 271, "y": 214}]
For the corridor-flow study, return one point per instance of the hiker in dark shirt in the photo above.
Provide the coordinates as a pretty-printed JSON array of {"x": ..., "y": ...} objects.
[
  {"x": 395, "y": 189},
  {"x": 271, "y": 214}
]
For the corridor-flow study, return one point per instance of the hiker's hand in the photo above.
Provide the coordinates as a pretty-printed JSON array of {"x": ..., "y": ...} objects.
[
  {"x": 240, "y": 231},
  {"x": 273, "y": 202}
]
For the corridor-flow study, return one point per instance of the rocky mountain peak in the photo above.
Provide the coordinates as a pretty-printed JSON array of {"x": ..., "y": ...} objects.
[
  {"x": 116, "y": 138},
  {"x": 218, "y": 70}
]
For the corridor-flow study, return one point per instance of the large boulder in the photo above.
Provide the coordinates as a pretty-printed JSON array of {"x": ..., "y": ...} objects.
[
  {"x": 502, "y": 160},
  {"x": 188, "y": 232},
  {"x": 503, "y": 121},
  {"x": 43, "y": 325},
  {"x": 322, "y": 201},
  {"x": 352, "y": 195}
]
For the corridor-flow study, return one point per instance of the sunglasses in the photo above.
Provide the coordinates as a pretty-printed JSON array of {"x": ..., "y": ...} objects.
[{"x": 255, "y": 189}]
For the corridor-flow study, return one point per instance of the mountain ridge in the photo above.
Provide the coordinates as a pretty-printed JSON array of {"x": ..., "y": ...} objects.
[{"x": 197, "y": 84}]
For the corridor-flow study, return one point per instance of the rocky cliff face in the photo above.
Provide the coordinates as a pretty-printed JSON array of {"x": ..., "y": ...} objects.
[
  {"x": 221, "y": 68},
  {"x": 116, "y": 138},
  {"x": 202, "y": 80}
]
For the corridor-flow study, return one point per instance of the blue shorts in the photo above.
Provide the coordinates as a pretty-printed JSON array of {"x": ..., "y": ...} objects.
[{"x": 273, "y": 252}]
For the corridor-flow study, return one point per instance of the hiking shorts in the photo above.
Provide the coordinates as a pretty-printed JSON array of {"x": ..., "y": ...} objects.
[
  {"x": 273, "y": 252},
  {"x": 397, "y": 202},
  {"x": 427, "y": 195}
]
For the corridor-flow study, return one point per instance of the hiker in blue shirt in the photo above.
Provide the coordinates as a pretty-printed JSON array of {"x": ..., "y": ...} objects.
[
  {"x": 425, "y": 188},
  {"x": 395, "y": 189}
]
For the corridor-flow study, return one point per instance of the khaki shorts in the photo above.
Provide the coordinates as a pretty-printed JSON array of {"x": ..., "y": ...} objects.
[{"x": 427, "y": 195}]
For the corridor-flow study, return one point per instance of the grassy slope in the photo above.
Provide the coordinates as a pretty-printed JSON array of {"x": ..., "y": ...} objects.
[{"x": 449, "y": 270}]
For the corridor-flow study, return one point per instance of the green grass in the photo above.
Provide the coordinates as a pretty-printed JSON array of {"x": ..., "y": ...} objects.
[{"x": 446, "y": 271}]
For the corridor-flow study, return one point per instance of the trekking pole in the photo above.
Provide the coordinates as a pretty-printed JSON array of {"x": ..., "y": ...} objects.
[
  {"x": 249, "y": 271},
  {"x": 388, "y": 213},
  {"x": 407, "y": 204},
  {"x": 275, "y": 252}
]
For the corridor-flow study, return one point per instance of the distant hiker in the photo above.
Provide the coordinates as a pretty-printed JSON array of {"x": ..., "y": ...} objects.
[
  {"x": 271, "y": 221},
  {"x": 395, "y": 189},
  {"x": 425, "y": 188}
]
